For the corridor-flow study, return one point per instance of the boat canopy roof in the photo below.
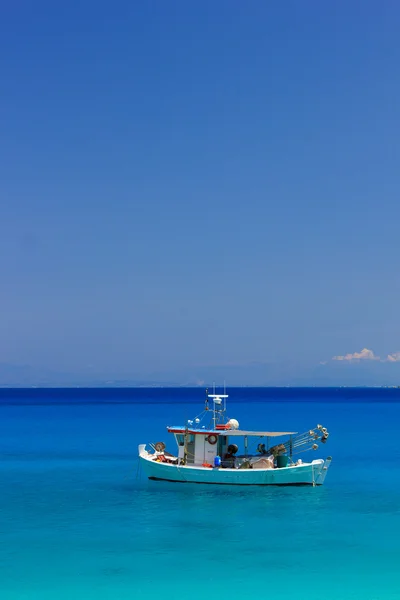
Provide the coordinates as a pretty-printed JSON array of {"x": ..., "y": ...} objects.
[
  {"x": 231, "y": 432},
  {"x": 238, "y": 432}
]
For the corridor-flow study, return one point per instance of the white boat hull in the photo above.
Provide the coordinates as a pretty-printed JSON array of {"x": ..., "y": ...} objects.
[{"x": 313, "y": 473}]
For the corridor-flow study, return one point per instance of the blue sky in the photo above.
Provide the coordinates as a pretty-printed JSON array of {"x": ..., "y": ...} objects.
[{"x": 192, "y": 185}]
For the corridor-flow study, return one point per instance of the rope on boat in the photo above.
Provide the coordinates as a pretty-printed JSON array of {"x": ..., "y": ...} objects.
[{"x": 138, "y": 470}]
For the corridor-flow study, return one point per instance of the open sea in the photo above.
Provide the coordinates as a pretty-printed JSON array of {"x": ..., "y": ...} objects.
[{"x": 79, "y": 521}]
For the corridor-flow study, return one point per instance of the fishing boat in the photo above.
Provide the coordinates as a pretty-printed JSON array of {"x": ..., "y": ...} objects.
[{"x": 212, "y": 448}]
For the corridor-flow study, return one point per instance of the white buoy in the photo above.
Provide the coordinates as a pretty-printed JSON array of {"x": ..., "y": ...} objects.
[{"x": 233, "y": 424}]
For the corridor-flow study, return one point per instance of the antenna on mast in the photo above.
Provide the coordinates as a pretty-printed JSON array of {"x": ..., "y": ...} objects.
[
  {"x": 224, "y": 396},
  {"x": 219, "y": 406}
]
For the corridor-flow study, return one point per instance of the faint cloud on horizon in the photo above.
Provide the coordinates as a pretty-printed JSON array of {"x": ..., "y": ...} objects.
[{"x": 365, "y": 355}]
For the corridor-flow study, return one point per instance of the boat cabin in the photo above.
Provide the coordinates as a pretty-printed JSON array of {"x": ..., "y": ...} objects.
[
  {"x": 218, "y": 447},
  {"x": 202, "y": 446}
]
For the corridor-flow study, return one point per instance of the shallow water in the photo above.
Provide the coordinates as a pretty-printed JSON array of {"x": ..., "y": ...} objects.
[{"x": 76, "y": 520}]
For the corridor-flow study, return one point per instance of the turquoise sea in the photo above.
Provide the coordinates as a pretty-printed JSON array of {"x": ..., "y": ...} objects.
[{"x": 78, "y": 521}]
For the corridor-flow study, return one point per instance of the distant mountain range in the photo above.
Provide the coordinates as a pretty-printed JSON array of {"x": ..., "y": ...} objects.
[{"x": 368, "y": 373}]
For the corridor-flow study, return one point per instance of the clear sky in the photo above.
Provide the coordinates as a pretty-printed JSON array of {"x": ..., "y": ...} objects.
[{"x": 188, "y": 184}]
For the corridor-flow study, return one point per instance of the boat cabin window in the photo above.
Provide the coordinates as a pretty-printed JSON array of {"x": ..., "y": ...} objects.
[
  {"x": 180, "y": 438},
  {"x": 222, "y": 441}
]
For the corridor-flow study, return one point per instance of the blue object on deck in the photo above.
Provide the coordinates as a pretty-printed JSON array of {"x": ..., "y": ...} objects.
[{"x": 217, "y": 461}]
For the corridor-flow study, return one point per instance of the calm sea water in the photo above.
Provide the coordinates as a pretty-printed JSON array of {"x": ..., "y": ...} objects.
[{"x": 77, "y": 520}]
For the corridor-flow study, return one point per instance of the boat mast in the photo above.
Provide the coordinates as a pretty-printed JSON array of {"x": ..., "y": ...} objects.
[
  {"x": 224, "y": 396},
  {"x": 217, "y": 399},
  {"x": 185, "y": 452}
]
